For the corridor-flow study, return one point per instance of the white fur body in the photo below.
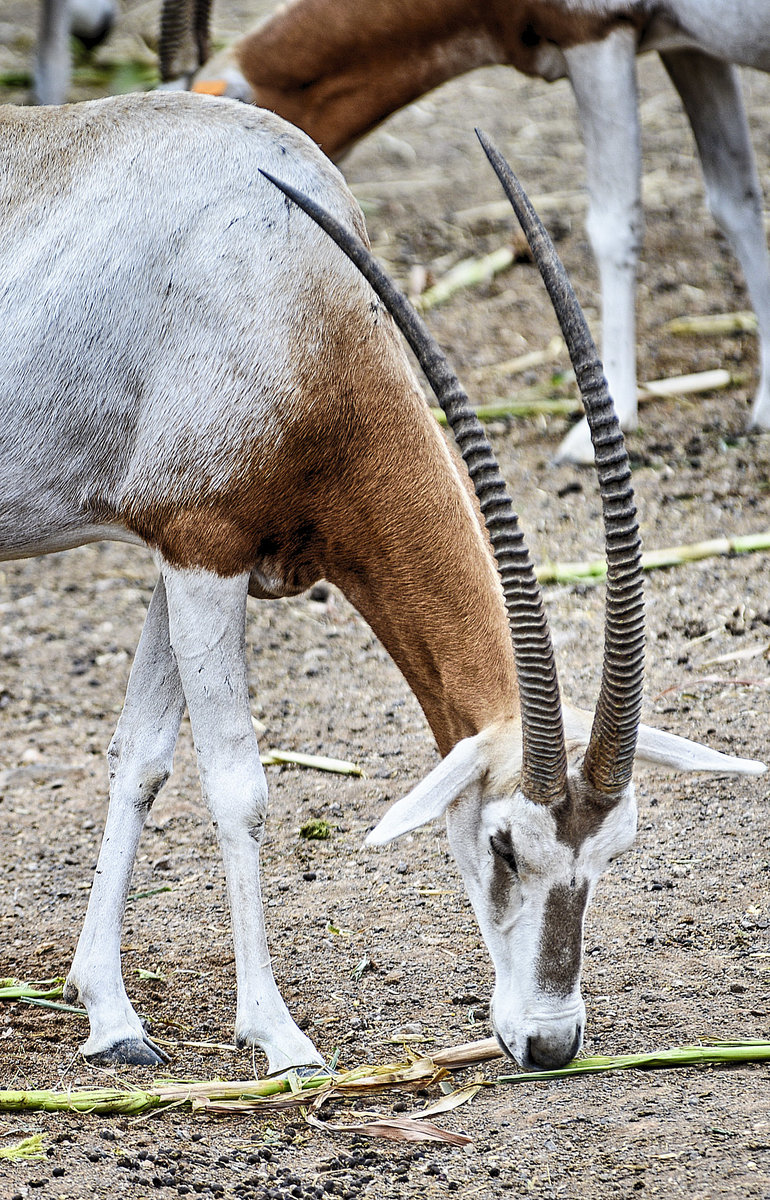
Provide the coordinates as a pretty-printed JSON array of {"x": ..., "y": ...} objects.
[{"x": 108, "y": 269}]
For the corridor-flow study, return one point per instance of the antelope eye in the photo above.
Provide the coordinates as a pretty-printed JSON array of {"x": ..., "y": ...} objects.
[{"x": 502, "y": 847}]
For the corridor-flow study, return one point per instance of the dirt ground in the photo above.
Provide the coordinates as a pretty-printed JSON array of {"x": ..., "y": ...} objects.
[{"x": 677, "y": 942}]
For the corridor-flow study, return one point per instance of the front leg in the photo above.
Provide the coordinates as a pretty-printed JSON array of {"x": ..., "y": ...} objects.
[
  {"x": 140, "y": 756},
  {"x": 603, "y": 78},
  {"x": 207, "y": 616},
  {"x": 52, "y": 63},
  {"x": 711, "y": 94}
]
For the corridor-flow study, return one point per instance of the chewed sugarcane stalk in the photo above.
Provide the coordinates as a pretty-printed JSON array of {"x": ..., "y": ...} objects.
[
  {"x": 715, "y": 1053},
  {"x": 670, "y": 556},
  {"x": 290, "y": 1090}
]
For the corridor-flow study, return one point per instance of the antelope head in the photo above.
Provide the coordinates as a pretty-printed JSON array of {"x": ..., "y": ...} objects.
[{"x": 539, "y": 805}]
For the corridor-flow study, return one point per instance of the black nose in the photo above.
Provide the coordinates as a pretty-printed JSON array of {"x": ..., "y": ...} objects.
[{"x": 547, "y": 1054}]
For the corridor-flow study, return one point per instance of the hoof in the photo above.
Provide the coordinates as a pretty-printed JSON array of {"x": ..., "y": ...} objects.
[
  {"x": 310, "y": 1071},
  {"x": 306, "y": 1071},
  {"x": 302, "y": 1057},
  {"x": 577, "y": 447},
  {"x": 133, "y": 1052},
  {"x": 221, "y": 76}
]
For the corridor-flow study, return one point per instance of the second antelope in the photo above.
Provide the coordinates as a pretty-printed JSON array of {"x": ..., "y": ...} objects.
[
  {"x": 257, "y": 447},
  {"x": 336, "y": 68}
]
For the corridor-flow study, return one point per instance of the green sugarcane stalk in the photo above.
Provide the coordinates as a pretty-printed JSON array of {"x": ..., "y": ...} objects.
[
  {"x": 251, "y": 1095},
  {"x": 671, "y": 556},
  {"x": 66, "y": 1008},
  {"x": 752, "y": 1050},
  {"x": 114, "y": 1101},
  {"x": 523, "y": 407},
  {"x": 200, "y": 1094},
  {"x": 14, "y": 989},
  {"x": 104, "y": 1101}
]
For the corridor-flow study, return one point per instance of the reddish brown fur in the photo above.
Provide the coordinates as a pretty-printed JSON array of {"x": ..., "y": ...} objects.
[
  {"x": 362, "y": 491},
  {"x": 336, "y": 68}
]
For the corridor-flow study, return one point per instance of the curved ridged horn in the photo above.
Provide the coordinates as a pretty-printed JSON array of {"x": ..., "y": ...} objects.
[
  {"x": 202, "y": 29},
  {"x": 544, "y": 760},
  {"x": 183, "y": 45},
  {"x": 610, "y": 755}
]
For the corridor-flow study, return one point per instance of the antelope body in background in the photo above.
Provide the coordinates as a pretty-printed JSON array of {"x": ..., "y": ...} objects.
[
  {"x": 259, "y": 445},
  {"x": 336, "y": 68}
]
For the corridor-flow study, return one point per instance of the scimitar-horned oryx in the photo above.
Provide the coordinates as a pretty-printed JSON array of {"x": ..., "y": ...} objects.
[{"x": 188, "y": 363}]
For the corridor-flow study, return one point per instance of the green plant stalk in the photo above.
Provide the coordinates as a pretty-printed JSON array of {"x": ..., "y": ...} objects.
[
  {"x": 680, "y": 1056},
  {"x": 249, "y": 1095},
  {"x": 27, "y": 1150},
  {"x": 14, "y": 989},
  {"x": 166, "y": 887},
  {"x": 104, "y": 1101},
  {"x": 269, "y": 1094},
  {"x": 671, "y": 556},
  {"x": 116, "y": 1101},
  {"x": 67, "y": 1008},
  {"x": 534, "y": 407}
]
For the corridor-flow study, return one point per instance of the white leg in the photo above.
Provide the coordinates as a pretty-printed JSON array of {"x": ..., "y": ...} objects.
[
  {"x": 711, "y": 94},
  {"x": 140, "y": 757},
  {"x": 207, "y": 616},
  {"x": 52, "y": 62},
  {"x": 603, "y": 77}
]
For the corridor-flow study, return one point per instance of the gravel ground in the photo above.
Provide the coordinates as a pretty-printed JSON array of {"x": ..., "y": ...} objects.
[{"x": 676, "y": 941}]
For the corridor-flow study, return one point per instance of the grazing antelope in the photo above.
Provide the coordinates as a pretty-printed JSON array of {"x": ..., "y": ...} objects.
[
  {"x": 256, "y": 447},
  {"x": 336, "y": 68},
  {"x": 88, "y": 20}
]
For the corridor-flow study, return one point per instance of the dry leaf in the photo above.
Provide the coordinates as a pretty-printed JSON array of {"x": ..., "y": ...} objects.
[{"x": 397, "y": 1129}]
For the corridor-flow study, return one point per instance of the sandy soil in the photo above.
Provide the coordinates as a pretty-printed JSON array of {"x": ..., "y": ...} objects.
[{"x": 676, "y": 941}]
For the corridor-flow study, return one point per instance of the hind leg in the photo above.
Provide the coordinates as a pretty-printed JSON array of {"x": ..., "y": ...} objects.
[
  {"x": 603, "y": 78},
  {"x": 710, "y": 92},
  {"x": 140, "y": 759}
]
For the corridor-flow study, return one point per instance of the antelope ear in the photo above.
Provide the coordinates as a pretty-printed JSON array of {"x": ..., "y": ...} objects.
[
  {"x": 656, "y": 748},
  {"x": 577, "y": 724},
  {"x": 464, "y": 764},
  {"x": 669, "y": 750}
]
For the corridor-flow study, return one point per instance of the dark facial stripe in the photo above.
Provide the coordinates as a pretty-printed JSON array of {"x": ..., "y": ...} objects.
[
  {"x": 561, "y": 941},
  {"x": 580, "y": 814},
  {"x": 502, "y": 883}
]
